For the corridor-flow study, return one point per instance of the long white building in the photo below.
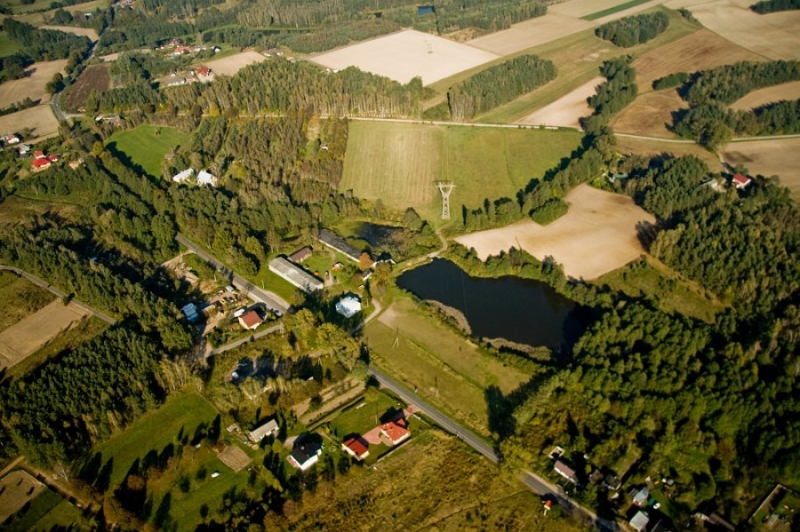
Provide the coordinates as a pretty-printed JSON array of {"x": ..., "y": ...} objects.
[{"x": 295, "y": 275}]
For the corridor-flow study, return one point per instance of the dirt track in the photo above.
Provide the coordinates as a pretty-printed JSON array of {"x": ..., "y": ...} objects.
[{"x": 596, "y": 236}]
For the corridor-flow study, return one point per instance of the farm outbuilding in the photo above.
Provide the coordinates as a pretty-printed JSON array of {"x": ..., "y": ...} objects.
[
  {"x": 301, "y": 254},
  {"x": 270, "y": 428},
  {"x": 295, "y": 275},
  {"x": 334, "y": 241}
]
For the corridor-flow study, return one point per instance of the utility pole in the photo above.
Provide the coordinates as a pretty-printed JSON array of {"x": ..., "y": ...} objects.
[{"x": 446, "y": 188}]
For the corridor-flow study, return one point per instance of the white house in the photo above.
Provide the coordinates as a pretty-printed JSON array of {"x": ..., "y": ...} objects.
[
  {"x": 348, "y": 306},
  {"x": 180, "y": 177},
  {"x": 270, "y": 428},
  {"x": 304, "y": 456}
]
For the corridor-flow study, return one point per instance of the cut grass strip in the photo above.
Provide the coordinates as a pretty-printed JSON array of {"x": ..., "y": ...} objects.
[{"x": 615, "y": 9}]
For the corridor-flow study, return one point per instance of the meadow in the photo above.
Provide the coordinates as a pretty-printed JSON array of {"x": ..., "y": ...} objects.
[
  {"x": 399, "y": 163},
  {"x": 7, "y": 46},
  {"x": 145, "y": 146},
  {"x": 19, "y": 298}
]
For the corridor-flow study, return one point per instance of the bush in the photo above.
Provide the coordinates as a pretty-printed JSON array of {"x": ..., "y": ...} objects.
[
  {"x": 672, "y": 80},
  {"x": 550, "y": 211},
  {"x": 631, "y": 31}
]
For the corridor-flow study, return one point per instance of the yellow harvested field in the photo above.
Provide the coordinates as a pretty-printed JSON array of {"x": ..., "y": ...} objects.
[
  {"x": 17, "y": 489},
  {"x": 774, "y": 36},
  {"x": 701, "y": 50},
  {"x": 32, "y": 85},
  {"x": 406, "y": 54},
  {"x": 653, "y": 147},
  {"x": 650, "y": 114},
  {"x": 530, "y": 33},
  {"x": 596, "y": 236},
  {"x": 779, "y": 157},
  {"x": 86, "y": 32},
  {"x": 234, "y": 63},
  {"x": 29, "y": 334},
  {"x": 567, "y": 110},
  {"x": 784, "y": 91},
  {"x": 40, "y": 119}
]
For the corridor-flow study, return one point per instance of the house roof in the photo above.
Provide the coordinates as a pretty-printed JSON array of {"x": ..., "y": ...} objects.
[
  {"x": 295, "y": 275},
  {"x": 741, "y": 179},
  {"x": 203, "y": 70},
  {"x": 357, "y": 446},
  {"x": 564, "y": 469},
  {"x": 53, "y": 158},
  {"x": 304, "y": 452},
  {"x": 639, "y": 521},
  {"x": 206, "y": 178},
  {"x": 301, "y": 254},
  {"x": 269, "y": 427},
  {"x": 395, "y": 430},
  {"x": 331, "y": 239},
  {"x": 183, "y": 176},
  {"x": 39, "y": 154},
  {"x": 40, "y": 163},
  {"x": 641, "y": 496},
  {"x": 250, "y": 319},
  {"x": 348, "y": 306}
]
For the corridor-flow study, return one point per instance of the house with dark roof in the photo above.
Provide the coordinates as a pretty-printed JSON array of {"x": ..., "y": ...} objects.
[
  {"x": 335, "y": 242},
  {"x": 395, "y": 431},
  {"x": 304, "y": 455},
  {"x": 565, "y": 471},
  {"x": 301, "y": 254},
  {"x": 250, "y": 320},
  {"x": 357, "y": 447}
]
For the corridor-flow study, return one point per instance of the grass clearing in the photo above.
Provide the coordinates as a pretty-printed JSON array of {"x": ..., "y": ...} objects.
[
  {"x": 17, "y": 489},
  {"x": 399, "y": 163},
  {"x": 19, "y": 298},
  {"x": 614, "y": 9},
  {"x": 145, "y": 146},
  {"x": 155, "y": 430},
  {"x": 363, "y": 416},
  {"x": 62, "y": 517},
  {"x": 658, "y": 282},
  {"x": 42, "y": 505},
  {"x": 14, "y": 209},
  {"x": 7, "y": 46}
]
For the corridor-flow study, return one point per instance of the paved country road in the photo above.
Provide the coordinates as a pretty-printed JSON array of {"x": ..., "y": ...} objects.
[
  {"x": 270, "y": 299},
  {"x": 52, "y": 289}
]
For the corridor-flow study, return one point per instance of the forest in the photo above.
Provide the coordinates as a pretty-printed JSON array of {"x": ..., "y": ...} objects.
[
  {"x": 630, "y": 31},
  {"x": 498, "y": 84},
  {"x": 726, "y": 84},
  {"x": 771, "y": 6}
]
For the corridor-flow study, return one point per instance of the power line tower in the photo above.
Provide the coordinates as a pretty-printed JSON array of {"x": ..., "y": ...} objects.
[{"x": 445, "y": 188}]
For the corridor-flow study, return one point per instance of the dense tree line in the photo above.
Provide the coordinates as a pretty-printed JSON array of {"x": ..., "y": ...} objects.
[
  {"x": 612, "y": 95},
  {"x": 670, "y": 80},
  {"x": 630, "y": 31},
  {"x": 179, "y": 8},
  {"x": 40, "y": 45},
  {"x": 726, "y": 84},
  {"x": 499, "y": 84},
  {"x": 64, "y": 407},
  {"x": 336, "y": 35},
  {"x": 772, "y": 6}
]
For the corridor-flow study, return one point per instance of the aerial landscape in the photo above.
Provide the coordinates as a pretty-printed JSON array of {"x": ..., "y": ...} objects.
[{"x": 474, "y": 265}]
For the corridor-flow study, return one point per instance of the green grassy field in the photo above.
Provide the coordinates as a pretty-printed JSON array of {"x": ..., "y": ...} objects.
[
  {"x": 19, "y": 298},
  {"x": 147, "y": 145},
  {"x": 658, "y": 282},
  {"x": 361, "y": 419},
  {"x": 615, "y": 9},
  {"x": 7, "y": 46},
  {"x": 444, "y": 368},
  {"x": 399, "y": 163},
  {"x": 578, "y": 58},
  {"x": 155, "y": 430}
]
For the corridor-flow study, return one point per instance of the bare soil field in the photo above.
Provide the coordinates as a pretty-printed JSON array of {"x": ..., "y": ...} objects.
[
  {"x": 406, "y": 54},
  {"x": 86, "y": 32},
  {"x": 701, "y": 50},
  {"x": 567, "y": 110},
  {"x": 32, "y": 85},
  {"x": 769, "y": 157},
  {"x": 40, "y": 119},
  {"x": 530, "y": 33},
  {"x": 655, "y": 147},
  {"x": 234, "y": 63},
  {"x": 649, "y": 114},
  {"x": 235, "y": 458},
  {"x": 16, "y": 489},
  {"x": 26, "y": 336},
  {"x": 596, "y": 236},
  {"x": 784, "y": 91},
  {"x": 94, "y": 77},
  {"x": 774, "y": 36}
]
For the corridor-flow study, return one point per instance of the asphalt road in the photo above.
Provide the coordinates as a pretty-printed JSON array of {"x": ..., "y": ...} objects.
[{"x": 270, "y": 299}]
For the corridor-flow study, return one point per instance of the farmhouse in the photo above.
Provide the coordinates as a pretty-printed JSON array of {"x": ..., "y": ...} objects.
[
  {"x": 205, "y": 178},
  {"x": 334, "y": 241},
  {"x": 180, "y": 177},
  {"x": 39, "y": 154},
  {"x": 741, "y": 182},
  {"x": 202, "y": 71},
  {"x": 356, "y": 447},
  {"x": 348, "y": 306},
  {"x": 565, "y": 471},
  {"x": 40, "y": 164},
  {"x": 250, "y": 320},
  {"x": 304, "y": 455},
  {"x": 270, "y": 428},
  {"x": 11, "y": 139},
  {"x": 396, "y": 431},
  {"x": 639, "y": 521},
  {"x": 295, "y": 275},
  {"x": 300, "y": 255}
]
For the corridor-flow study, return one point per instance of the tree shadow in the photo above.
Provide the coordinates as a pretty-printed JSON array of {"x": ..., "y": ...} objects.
[
  {"x": 646, "y": 233},
  {"x": 500, "y": 411}
]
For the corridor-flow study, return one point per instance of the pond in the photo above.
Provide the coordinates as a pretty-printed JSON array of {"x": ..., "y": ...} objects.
[{"x": 520, "y": 310}]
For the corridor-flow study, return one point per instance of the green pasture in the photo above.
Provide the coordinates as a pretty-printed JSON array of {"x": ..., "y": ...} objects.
[
  {"x": 146, "y": 145},
  {"x": 615, "y": 9}
]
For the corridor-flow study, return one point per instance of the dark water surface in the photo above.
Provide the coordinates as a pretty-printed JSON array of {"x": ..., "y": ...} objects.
[{"x": 520, "y": 310}]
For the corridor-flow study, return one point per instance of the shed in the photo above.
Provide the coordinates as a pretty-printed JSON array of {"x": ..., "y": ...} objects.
[
  {"x": 270, "y": 428},
  {"x": 295, "y": 275},
  {"x": 301, "y": 254},
  {"x": 180, "y": 177},
  {"x": 640, "y": 499},
  {"x": 334, "y": 241}
]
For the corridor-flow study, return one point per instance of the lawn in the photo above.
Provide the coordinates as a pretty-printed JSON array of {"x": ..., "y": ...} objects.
[
  {"x": 399, "y": 163},
  {"x": 7, "y": 46},
  {"x": 154, "y": 431},
  {"x": 364, "y": 415},
  {"x": 615, "y": 9},
  {"x": 578, "y": 58},
  {"x": 145, "y": 146},
  {"x": 671, "y": 292},
  {"x": 39, "y": 507},
  {"x": 19, "y": 298},
  {"x": 443, "y": 367}
]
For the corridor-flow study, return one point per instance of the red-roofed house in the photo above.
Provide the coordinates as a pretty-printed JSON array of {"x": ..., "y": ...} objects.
[
  {"x": 53, "y": 158},
  {"x": 40, "y": 164},
  {"x": 250, "y": 320},
  {"x": 39, "y": 154},
  {"x": 741, "y": 181},
  {"x": 203, "y": 70},
  {"x": 356, "y": 447},
  {"x": 396, "y": 431}
]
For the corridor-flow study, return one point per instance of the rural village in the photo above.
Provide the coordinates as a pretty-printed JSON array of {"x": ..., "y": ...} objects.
[{"x": 478, "y": 265}]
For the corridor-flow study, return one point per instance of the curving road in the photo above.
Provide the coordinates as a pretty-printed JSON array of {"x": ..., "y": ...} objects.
[{"x": 270, "y": 299}]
